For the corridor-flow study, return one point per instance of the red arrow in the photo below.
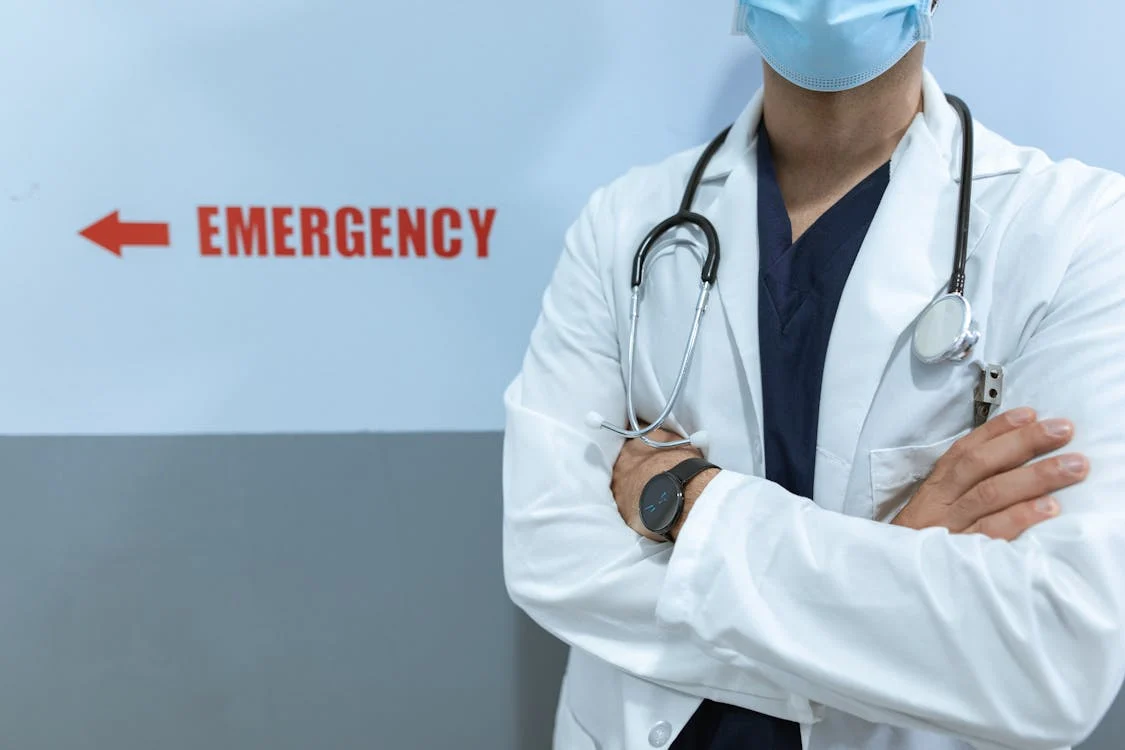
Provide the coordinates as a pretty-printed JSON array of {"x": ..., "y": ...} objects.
[{"x": 112, "y": 233}]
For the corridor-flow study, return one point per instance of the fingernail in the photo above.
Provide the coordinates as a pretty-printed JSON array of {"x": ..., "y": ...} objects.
[
  {"x": 1073, "y": 464},
  {"x": 1021, "y": 416},
  {"x": 1048, "y": 506},
  {"x": 1058, "y": 428}
]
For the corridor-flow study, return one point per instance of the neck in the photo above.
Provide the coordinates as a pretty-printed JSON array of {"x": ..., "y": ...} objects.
[{"x": 841, "y": 133}]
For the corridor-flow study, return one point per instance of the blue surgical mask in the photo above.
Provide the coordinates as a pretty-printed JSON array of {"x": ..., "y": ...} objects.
[{"x": 834, "y": 45}]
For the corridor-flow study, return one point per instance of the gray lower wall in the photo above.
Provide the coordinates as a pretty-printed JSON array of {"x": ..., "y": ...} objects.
[
  {"x": 263, "y": 592},
  {"x": 271, "y": 592}
]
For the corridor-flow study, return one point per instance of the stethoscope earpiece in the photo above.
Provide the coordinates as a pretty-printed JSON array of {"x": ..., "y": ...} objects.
[
  {"x": 594, "y": 420},
  {"x": 701, "y": 440}
]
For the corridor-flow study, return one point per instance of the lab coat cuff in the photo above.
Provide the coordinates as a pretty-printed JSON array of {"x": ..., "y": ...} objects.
[{"x": 687, "y": 573}]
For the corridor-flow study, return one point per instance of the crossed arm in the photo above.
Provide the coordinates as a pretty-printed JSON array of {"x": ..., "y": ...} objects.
[
  {"x": 986, "y": 484},
  {"x": 771, "y": 603}
]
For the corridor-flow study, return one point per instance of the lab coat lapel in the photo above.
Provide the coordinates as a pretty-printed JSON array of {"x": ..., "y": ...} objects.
[
  {"x": 904, "y": 264},
  {"x": 734, "y": 212},
  {"x": 735, "y": 215}
]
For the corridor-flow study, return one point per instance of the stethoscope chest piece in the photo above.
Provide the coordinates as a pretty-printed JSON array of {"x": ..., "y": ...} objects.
[{"x": 945, "y": 331}]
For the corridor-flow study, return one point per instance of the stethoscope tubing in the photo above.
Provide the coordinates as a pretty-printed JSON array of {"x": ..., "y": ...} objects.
[{"x": 709, "y": 276}]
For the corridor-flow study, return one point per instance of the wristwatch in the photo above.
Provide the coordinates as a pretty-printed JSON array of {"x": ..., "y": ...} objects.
[{"x": 662, "y": 500}]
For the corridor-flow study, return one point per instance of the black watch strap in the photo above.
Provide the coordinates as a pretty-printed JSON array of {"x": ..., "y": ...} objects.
[
  {"x": 685, "y": 472},
  {"x": 690, "y": 469}
]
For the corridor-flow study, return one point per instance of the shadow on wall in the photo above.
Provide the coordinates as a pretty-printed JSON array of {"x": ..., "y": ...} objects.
[{"x": 540, "y": 661}]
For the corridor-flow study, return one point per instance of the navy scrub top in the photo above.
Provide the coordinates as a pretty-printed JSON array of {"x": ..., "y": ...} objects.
[{"x": 799, "y": 289}]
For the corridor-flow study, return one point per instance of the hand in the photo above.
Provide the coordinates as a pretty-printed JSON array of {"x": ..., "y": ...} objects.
[
  {"x": 985, "y": 484},
  {"x": 637, "y": 464}
]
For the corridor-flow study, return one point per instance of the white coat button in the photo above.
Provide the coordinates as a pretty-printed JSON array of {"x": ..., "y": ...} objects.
[{"x": 660, "y": 734}]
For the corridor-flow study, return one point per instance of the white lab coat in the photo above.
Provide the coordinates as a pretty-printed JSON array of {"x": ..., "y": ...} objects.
[{"x": 869, "y": 635}]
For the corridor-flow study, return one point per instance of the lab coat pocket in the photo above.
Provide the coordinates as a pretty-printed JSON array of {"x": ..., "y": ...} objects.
[{"x": 897, "y": 473}]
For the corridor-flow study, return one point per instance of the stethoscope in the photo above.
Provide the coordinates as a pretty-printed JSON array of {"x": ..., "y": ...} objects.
[{"x": 945, "y": 331}]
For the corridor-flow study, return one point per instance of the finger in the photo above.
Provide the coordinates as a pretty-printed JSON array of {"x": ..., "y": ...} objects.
[
  {"x": 994, "y": 428},
  {"x": 1010, "y": 523},
  {"x": 1006, "y": 451},
  {"x": 968, "y": 445},
  {"x": 1035, "y": 480}
]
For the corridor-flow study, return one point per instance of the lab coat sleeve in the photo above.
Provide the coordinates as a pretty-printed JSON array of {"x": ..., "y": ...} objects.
[
  {"x": 1016, "y": 645},
  {"x": 569, "y": 560}
]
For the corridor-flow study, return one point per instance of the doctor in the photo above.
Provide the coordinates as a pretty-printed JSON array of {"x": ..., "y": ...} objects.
[{"x": 856, "y": 562}]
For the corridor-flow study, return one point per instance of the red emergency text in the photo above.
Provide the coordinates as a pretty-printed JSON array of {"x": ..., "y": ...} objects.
[{"x": 346, "y": 232}]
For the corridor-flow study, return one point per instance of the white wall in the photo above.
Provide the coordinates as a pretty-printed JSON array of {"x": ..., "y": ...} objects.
[{"x": 156, "y": 109}]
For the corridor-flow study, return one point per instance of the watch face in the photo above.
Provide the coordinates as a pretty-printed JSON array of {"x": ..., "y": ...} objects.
[{"x": 661, "y": 502}]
